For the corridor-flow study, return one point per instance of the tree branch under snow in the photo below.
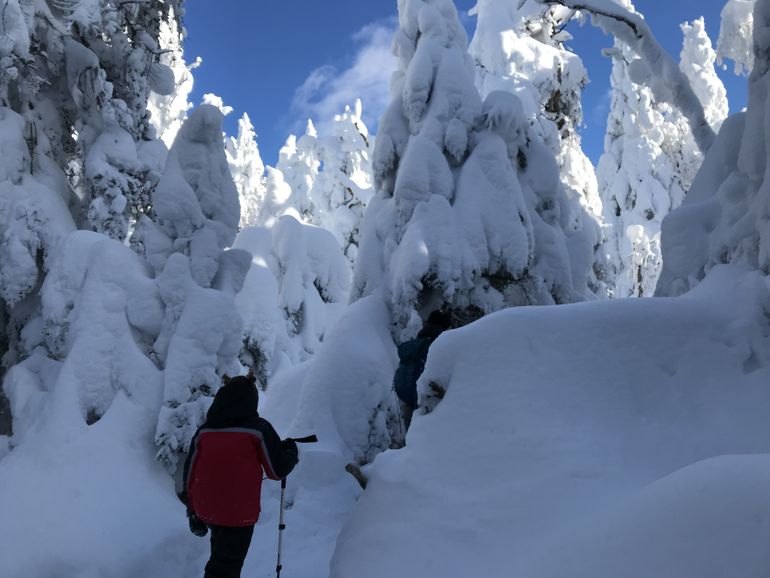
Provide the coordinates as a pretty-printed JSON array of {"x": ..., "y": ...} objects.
[{"x": 669, "y": 83}]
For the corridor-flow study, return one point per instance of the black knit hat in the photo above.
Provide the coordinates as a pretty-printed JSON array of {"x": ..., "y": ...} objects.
[
  {"x": 237, "y": 399},
  {"x": 440, "y": 319}
]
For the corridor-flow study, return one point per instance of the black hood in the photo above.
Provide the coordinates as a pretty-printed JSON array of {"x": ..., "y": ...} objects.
[
  {"x": 235, "y": 402},
  {"x": 436, "y": 324}
]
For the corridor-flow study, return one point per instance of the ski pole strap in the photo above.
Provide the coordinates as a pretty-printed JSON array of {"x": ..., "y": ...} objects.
[{"x": 305, "y": 440}]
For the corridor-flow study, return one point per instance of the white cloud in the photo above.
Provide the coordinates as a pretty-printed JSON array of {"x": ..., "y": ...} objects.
[
  {"x": 601, "y": 110},
  {"x": 327, "y": 90}
]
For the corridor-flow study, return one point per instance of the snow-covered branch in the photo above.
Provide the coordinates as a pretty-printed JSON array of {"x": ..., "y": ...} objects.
[{"x": 661, "y": 73}]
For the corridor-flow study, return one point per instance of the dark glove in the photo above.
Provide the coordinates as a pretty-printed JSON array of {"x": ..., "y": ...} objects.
[
  {"x": 197, "y": 526},
  {"x": 290, "y": 452}
]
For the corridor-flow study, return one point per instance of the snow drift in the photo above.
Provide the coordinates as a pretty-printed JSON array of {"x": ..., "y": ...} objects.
[{"x": 571, "y": 440}]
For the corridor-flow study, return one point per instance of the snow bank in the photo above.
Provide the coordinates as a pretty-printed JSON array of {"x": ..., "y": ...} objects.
[
  {"x": 708, "y": 519},
  {"x": 554, "y": 450},
  {"x": 91, "y": 502}
]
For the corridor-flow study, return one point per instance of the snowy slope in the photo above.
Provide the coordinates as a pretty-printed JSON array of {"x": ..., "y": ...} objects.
[
  {"x": 571, "y": 442},
  {"x": 91, "y": 501},
  {"x": 570, "y": 437}
]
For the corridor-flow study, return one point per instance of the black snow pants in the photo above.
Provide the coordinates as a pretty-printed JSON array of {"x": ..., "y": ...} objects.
[{"x": 229, "y": 547}]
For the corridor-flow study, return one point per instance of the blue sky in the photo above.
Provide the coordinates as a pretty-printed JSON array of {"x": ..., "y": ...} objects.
[{"x": 284, "y": 61}]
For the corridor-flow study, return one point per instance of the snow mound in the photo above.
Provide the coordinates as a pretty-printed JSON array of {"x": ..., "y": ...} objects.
[
  {"x": 682, "y": 525},
  {"x": 553, "y": 448},
  {"x": 121, "y": 520}
]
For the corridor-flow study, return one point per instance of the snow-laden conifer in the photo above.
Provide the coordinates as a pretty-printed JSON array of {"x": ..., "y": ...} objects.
[
  {"x": 196, "y": 212},
  {"x": 697, "y": 62},
  {"x": 77, "y": 149},
  {"x": 725, "y": 218},
  {"x": 469, "y": 214},
  {"x": 518, "y": 47},
  {"x": 92, "y": 324},
  {"x": 344, "y": 186},
  {"x": 654, "y": 66},
  {"x": 636, "y": 180},
  {"x": 248, "y": 170},
  {"x": 299, "y": 163},
  {"x": 297, "y": 286},
  {"x": 170, "y": 110},
  {"x": 651, "y": 156},
  {"x": 735, "y": 35}
]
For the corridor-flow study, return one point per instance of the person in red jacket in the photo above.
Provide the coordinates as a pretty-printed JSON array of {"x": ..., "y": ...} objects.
[{"x": 224, "y": 470}]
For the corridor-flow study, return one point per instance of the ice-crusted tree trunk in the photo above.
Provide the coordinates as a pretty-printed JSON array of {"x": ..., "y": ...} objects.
[
  {"x": 344, "y": 186},
  {"x": 726, "y": 216},
  {"x": 248, "y": 171},
  {"x": 468, "y": 212},
  {"x": 518, "y": 47}
]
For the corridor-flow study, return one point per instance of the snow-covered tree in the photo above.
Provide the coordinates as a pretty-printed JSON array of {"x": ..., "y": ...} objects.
[
  {"x": 654, "y": 67},
  {"x": 248, "y": 170},
  {"x": 469, "y": 212},
  {"x": 277, "y": 201},
  {"x": 651, "y": 156},
  {"x": 298, "y": 284},
  {"x": 636, "y": 179},
  {"x": 726, "y": 216},
  {"x": 78, "y": 150},
  {"x": 91, "y": 323},
  {"x": 298, "y": 161},
  {"x": 518, "y": 47},
  {"x": 110, "y": 82},
  {"x": 697, "y": 62},
  {"x": 196, "y": 215},
  {"x": 169, "y": 111},
  {"x": 735, "y": 35},
  {"x": 344, "y": 187}
]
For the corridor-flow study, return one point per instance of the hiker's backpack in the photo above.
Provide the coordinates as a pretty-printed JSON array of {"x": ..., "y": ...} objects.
[{"x": 411, "y": 355}]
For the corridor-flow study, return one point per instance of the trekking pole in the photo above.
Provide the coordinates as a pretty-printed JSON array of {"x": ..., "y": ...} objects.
[
  {"x": 281, "y": 528},
  {"x": 281, "y": 525}
]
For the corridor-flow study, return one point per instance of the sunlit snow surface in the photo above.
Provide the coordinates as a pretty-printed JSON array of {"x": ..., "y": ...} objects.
[{"x": 571, "y": 442}]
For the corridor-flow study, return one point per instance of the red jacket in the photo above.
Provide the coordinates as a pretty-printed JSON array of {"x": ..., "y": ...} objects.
[{"x": 229, "y": 456}]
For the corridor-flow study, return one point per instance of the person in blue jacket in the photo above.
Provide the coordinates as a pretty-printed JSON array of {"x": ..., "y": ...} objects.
[{"x": 412, "y": 355}]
